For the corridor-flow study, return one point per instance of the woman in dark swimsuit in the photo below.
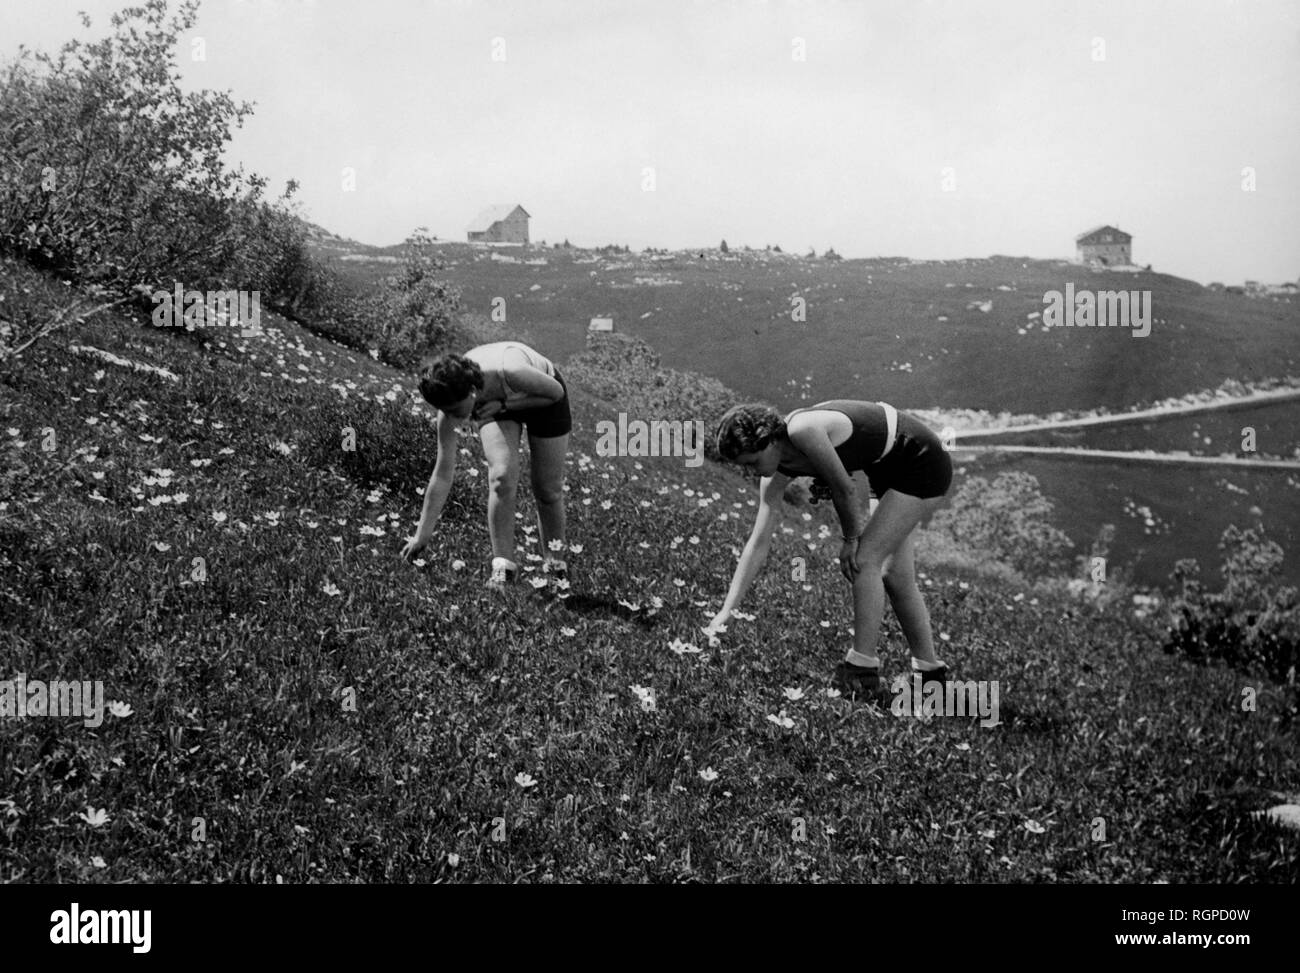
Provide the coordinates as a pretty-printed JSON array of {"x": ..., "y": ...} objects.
[{"x": 907, "y": 468}]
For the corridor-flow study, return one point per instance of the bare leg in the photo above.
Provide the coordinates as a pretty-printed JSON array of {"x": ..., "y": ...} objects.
[
  {"x": 890, "y": 526},
  {"x": 547, "y": 470},
  {"x": 501, "y": 447},
  {"x": 909, "y": 604}
]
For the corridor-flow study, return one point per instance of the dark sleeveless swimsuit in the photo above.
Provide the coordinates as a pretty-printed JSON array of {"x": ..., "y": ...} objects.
[{"x": 915, "y": 464}]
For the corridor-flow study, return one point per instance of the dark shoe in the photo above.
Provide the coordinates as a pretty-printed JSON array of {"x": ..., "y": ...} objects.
[
  {"x": 862, "y": 682},
  {"x": 939, "y": 675}
]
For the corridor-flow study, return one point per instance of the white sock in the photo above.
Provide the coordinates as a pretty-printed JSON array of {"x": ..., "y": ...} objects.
[
  {"x": 504, "y": 562},
  {"x": 920, "y": 666},
  {"x": 856, "y": 658}
]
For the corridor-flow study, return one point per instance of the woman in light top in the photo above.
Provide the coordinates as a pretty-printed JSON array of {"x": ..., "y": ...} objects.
[
  {"x": 907, "y": 468},
  {"x": 504, "y": 387}
]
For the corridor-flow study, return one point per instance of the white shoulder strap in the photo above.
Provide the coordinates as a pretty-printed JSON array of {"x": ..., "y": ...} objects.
[{"x": 891, "y": 422}]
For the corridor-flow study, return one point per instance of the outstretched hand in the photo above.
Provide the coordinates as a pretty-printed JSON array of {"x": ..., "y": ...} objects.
[{"x": 414, "y": 545}]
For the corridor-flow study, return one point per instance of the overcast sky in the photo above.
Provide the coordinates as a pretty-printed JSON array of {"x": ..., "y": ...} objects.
[{"x": 1053, "y": 116}]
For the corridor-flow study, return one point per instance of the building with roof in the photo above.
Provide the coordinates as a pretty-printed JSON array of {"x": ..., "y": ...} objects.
[
  {"x": 1105, "y": 245},
  {"x": 506, "y": 223}
]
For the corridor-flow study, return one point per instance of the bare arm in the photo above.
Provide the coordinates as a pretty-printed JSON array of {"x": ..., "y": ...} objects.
[
  {"x": 813, "y": 441},
  {"x": 756, "y": 548},
  {"x": 530, "y": 389},
  {"x": 439, "y": 488}
]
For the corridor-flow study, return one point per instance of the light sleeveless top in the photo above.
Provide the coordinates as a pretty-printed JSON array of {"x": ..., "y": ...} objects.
[
  {"x": 875, "y": 427},
  {"x": 492, "y": 359}
]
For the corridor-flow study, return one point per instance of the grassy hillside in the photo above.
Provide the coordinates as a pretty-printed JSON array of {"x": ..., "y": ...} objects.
[
  {"x": 874, "y": 325},
  {"x": 873, "y": 330},
  {"x": 480, "y": 718},
  {"x": 1204, "y": 434},
  {"x": 1188, "y": 509}
]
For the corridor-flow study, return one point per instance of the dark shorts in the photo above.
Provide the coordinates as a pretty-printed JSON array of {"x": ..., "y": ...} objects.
[
  {"x": 918, "y": 465},
  {"x": 545, "y": 422}
]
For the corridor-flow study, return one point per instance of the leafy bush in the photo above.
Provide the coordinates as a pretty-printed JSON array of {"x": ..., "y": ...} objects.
[
  {"x": 1253, "y": 623},
  {"x": 940, "y": 547},
  {"x": 338, "y": 310},
  {"x": 1111, "y": 586},
  {"x": 626, "y": 370},
  {"x": 407, "y": 317},
  {"x": 414, "y": 310},
  {"x": 111, "y": 173},
  {"x": 1009, "y": 520},
  {"x": 277, "y": 256}
]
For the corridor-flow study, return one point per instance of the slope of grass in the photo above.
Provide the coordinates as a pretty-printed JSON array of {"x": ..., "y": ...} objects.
[
  {"x": 873, "y": 331},
  {"x": 1160, "y": 515},
  {"x": 1206, "y": 434},
  {"x": 874, "y": 325},
  {"x": 314, "y": 709}
]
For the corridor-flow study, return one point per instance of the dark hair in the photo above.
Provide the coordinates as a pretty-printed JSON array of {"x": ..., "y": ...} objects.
[
  {"x": 748, "y": 429},
  {"x": 446, "y": 380}
]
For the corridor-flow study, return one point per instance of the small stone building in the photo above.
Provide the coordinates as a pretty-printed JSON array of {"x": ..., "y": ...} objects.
[
  {"x": 1105, "y": 245},
  {"x": 506, "y": 223}
]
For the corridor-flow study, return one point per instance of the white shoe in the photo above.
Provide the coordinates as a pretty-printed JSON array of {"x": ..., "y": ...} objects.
[{"x": 504, "y": 572}]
